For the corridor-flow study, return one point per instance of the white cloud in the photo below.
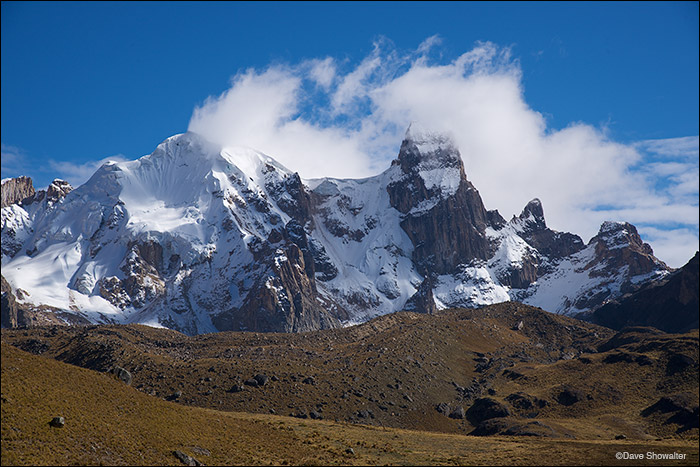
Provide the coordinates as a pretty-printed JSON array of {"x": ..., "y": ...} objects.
[
  {"x": 679, "y": 147},
  {"x": 675, "y": 246},
  {"x": 322, "y": 120},
  {"x": 323, "y": 72},
  {"x": 12, "y": 160}
]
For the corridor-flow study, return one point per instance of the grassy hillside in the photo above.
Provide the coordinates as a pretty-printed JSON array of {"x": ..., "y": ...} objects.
[
  {"x": 108, "y": 422},
  {"x": 397, "y": 370}
]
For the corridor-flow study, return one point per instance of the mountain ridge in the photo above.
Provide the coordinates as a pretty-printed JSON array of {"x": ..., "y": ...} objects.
[{"x": 201, "y": 238}]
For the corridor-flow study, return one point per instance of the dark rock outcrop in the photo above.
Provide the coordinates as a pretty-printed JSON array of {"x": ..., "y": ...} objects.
[
  {"x": 57, "y": 190},
  {"x": 509, "y": 427},
  {"x": 618, "y": 245},
  {"x": 682, "y": 409},
  {"x": 570, "y": 396},
  {"x": 458, "y": 413},
  {"x": 261, "y": 379},
  {"x": 525, "y": 402},
  {"x": 486, "y": 408},
  {"x": 10, "y": 311},
  {"x": 670, "y": 305},
  {"x": 423, "y": 300}
]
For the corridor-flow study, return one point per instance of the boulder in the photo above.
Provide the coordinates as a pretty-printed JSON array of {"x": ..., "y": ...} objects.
[
  {"x": 186, "y": 459},
  {"x": 122, "y": 374},
  {"x": 57, "y": 422},
  {"x": 261, "y": 379},
  {"x": 251, "y": 382}
]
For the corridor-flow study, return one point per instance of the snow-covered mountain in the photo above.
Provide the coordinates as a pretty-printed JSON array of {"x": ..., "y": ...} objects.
[{"x": 201, "y": 238}]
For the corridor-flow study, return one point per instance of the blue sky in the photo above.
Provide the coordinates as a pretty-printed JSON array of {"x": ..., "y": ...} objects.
[{"x": 611, "y": 86}]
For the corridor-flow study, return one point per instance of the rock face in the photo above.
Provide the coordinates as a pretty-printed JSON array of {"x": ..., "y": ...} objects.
[
  {"x": 619, "y": 245},
  {"x": 11, "y": 316},
  {"x": 671, "y": 305},
  {"x": 443, "y": 213},
  {"x": 14, "y": 190},
  {"x": 547, "y": 242},
  {"x": 201, "y": 238}
]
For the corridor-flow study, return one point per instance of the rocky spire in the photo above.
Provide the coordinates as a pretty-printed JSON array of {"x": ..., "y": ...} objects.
[
  {"x": 534, "y": 213},
  {"x": 444, "y": 215},
  {"x": 532, "y": 227}
]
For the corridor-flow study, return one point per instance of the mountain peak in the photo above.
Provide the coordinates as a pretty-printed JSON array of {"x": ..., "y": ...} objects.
[
  {"x": 531, "y": 219},
  {"x": 533, "y": 211},
  {"x": 620, "y": 235},
  {"x": 430, "y": 141},
  {"x": 426, "y": 151}
]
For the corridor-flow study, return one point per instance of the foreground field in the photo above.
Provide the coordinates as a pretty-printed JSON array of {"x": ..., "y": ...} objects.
[{"x": 108, "y": 422}]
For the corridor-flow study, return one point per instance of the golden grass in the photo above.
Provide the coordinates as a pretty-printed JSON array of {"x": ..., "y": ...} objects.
[{"x": 110, "y": 423}]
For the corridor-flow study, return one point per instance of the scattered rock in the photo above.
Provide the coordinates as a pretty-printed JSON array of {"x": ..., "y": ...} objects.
[
  {"x": 620, "y": 437},
  {"x": 443, "y": 408},
  {"x": 315, "y": 415},
  {"x": 261, "y": 379},
  {"x": 174, "y": 396},
  {"x": 251, "y": 382},
  {"x": 523, "y": 401},
  {"x": 185, "y": 459},
  {"x": 458, "y": 413},
  {"x": 309, "y": 380},
  {"x": 350, "y": 451},
  {"x": 236, "y": 388},
  {"x": 57, "y": 422}
]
